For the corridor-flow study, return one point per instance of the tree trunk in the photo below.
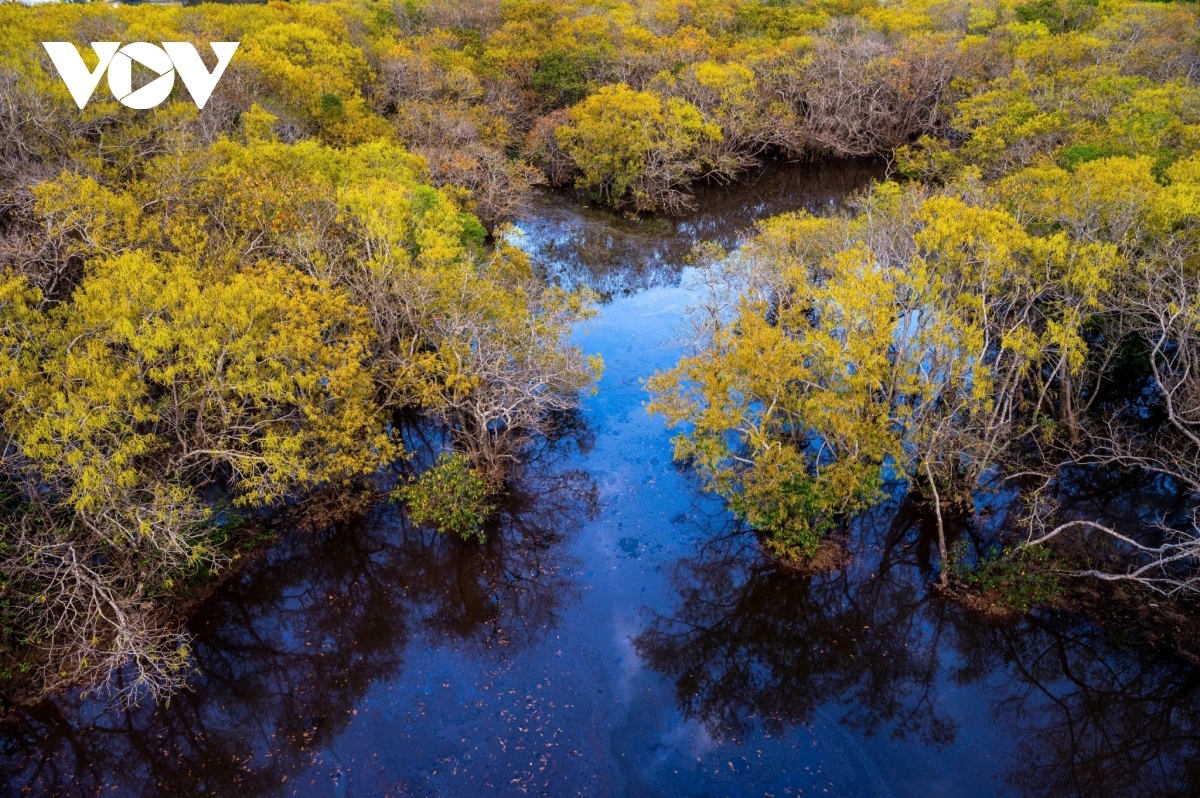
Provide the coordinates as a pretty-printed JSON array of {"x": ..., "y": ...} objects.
[{"x": 944, "y": 576}]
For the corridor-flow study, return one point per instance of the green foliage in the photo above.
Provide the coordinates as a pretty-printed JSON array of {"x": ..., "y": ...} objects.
[
  {"x": 450, "y": 496},
  {"x": 779, "y": 497},
  {"x": 1057, "y": 15},
  {"x": 778, "y": 20},
  {"x": 560, "y": 79},
  {"x": 1018, "y": 580},
  {"x": 1081, "y": 153}
]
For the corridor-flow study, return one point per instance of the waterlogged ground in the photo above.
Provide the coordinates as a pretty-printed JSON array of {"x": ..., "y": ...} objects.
[{"x": 618, "y": 635}]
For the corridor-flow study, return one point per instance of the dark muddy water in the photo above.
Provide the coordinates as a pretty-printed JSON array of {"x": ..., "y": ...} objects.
[{"x": 618, "y": 634}]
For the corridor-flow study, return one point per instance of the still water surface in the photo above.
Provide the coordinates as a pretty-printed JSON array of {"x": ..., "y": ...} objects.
[{"x": 619, "y": 635}]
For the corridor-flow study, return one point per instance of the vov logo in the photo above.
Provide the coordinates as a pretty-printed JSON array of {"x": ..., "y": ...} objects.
[{"x": 172, "y": 57}]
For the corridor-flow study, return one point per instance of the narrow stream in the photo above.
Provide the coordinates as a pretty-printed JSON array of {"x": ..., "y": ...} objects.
[{"x": 618, "y": 634}]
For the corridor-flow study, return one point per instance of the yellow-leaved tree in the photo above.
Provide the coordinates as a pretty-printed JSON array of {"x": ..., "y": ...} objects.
[
  {"x": 633, "y": 147},
  {"x": 919, "y": 339},
  {"x": 157, "y": 378}
]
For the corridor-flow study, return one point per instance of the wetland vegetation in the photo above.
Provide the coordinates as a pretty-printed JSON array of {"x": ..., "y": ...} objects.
[{"x": 927, "y": 275}]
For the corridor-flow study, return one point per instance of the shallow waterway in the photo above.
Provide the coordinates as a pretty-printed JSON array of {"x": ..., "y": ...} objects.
[{"x": 618, "y": 634}]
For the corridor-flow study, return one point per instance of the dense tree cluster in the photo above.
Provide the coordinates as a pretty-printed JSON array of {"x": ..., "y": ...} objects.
[
  {"x": 1024, "y": 306},
  {"x": 202, "y": 312},
  {"x": 702, "y": 89},
  {"x": 636, "y": 101}
]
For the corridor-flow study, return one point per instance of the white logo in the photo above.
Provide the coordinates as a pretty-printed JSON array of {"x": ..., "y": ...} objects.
[{"x": 172, "y": 57}]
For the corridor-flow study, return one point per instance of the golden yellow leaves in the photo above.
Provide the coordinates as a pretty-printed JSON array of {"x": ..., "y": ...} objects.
[
  {"x": 618, "y": 136},
  {"x": 833, "y": 349},
  {"x": 264, "y": 370},
  {"x": 1178, "y": 204}
]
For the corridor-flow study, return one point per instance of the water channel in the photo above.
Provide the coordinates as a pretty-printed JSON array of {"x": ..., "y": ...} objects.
[{"x": 619, "y": 634}]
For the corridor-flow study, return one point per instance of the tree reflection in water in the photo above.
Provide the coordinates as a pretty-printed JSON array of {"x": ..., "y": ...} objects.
[
  {"x": 753, "y": 643},
  {"x": 613, "y": 255},
  {"x": 1091, "y": 718},
  {"x": 286, "y": 649}
]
